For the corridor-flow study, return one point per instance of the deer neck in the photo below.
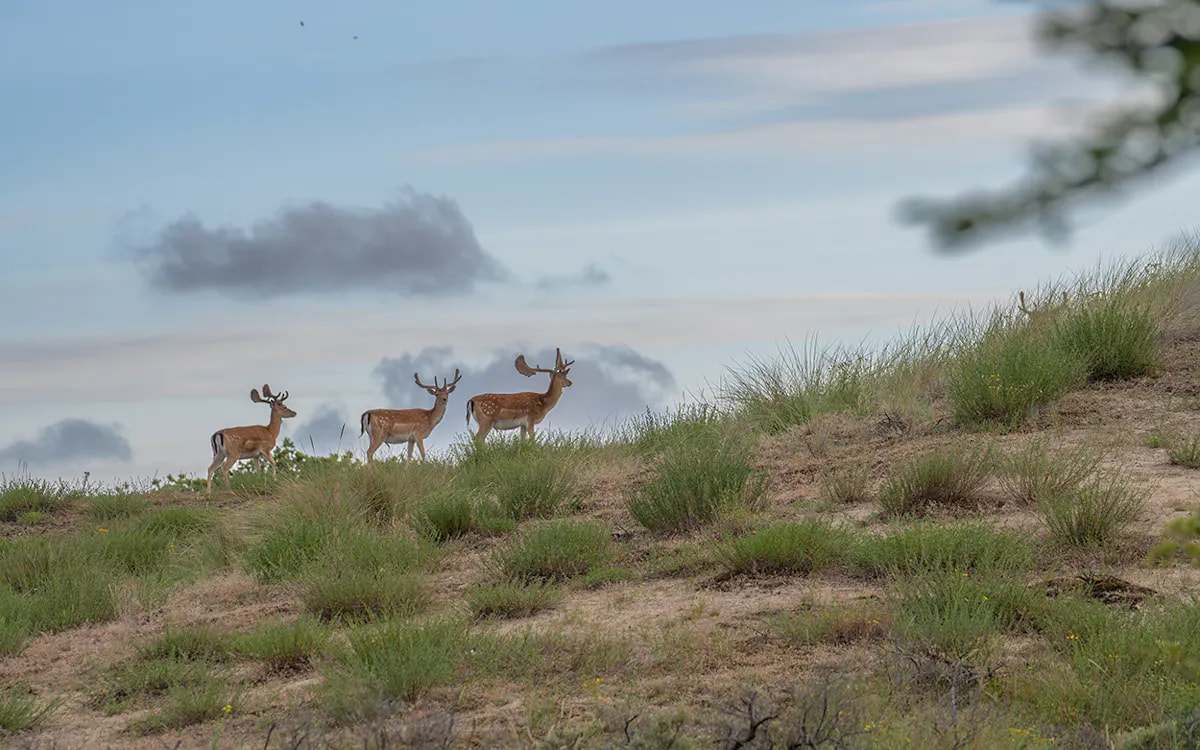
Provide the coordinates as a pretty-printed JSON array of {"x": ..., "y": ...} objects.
[
  {"x": 437, "y": 412},
  {"x": 552, "y": 394},
  {"x": 275, "y": 424}
]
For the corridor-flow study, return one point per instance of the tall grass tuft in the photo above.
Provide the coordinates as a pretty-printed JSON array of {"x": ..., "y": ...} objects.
[
  {"x": 282, "y": 646},
  {"x": 1116, "y": 336},
  {"x": 398, "y": 659},
  {"x": 651, "y": 433},
  {"x": 554, "y": 551},
  {"x": 949, "y": 477},
  {"x": 21, "y": 495},
  {"x": 512, "y": 599},
  {"x": 1038, "y": 470},
  {"x": 1010, "y": 372},
  {"x": 20, "y": 711},
  {"x": 846, "y": 485},
  {"x": 445, "y": 516},
  {"x": 699, "y": 479},
  {"x": 115, "y": 506},
  {"x": 929, "y": 547},
  {"x": 796, "y": 548},
  {"x": 527, "y": 478},
  {"x": 1094, "y": 513}
]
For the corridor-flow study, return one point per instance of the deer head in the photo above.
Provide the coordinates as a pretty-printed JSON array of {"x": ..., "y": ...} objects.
[
  {"x": 275, "y": 400},
  {"x": 559, "y": 373},
  {"x": 440, "y": 392}
]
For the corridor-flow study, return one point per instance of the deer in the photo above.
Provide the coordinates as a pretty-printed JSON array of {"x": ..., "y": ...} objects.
[
  {"x": 410, "y": 426},
  {"x": 1039, "y": 314},
  {"x": 508, "y": 411},
  {"x": 234, "y": 444}
]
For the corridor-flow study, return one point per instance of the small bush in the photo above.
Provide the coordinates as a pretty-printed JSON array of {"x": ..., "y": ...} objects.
[
  {"x": 1116, "y": 338},
  {"x": 284, "y": 551},
  {"x": 444, "y": 516},
  {"x": 187, "y": 643},
  {"x": 128, "y": 683},
  {"x": 698, "y": 481},
  {"x": 1182, "y": 450},
  {"x": 14, "y": 626},
  {"x": 512, "y": 599},
  {"x": 847, "y": 485},
  {"x": 401, "y": 660},
  {"x": 1095, "y": 513},
  {"x": 115, "y": 507},
  {"x": 651, "y": 433},
  {"x": 282, "y": 646},
  {"x": 837, "y": 625},
  {"x": 928, "y": 548},
  {"x": 957, "y": 615},
  {"x": 1009, "y": 373},
  {"x": 950, "y": 476},
  {"x": 527, "y": 478},
  {"x": 187, "y": 705},
  {"x": 176, "y": 521},
  {"x": 797, "y": 548},
  {"x": 1037, "y": 470},
  {"x": 24, "y": 495},
  {"x": 19, "y": 710},
  {"x": 356, "y": 594},
  {"x": 554, "y": 551}
]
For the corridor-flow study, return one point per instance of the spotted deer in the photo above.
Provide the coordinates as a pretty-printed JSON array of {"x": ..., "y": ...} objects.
[
  {"x": 410, "y": 426},
  {"x": 508, "y": 411},
  {"x": 234, "y": 444}
]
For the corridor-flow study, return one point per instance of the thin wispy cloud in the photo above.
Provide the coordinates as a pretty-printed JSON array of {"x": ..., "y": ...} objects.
[
  {"x": 69, "y": 440},
  {"x": 419, "y": 245},
  {"x": 591, "y": 275}
]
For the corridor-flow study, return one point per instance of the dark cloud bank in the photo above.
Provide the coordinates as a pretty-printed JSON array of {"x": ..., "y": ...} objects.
[
  {"x": 70, "y": 440},
  {"x": 610, "y": 383},
  {"x": 328, "y": 430},
  {"x": 422, "y": 245}
]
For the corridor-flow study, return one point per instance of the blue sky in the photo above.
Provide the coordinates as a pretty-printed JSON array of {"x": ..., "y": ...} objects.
[{"x": 197, "y": 199}]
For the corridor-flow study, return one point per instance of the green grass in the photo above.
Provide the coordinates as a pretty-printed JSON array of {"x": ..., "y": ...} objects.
[
  {"x": 512, "y": 599},
  {"x": 186, "y": 643},
  {"x": 20, "y": 710},
  {"x": 1182, "y": 449},
  {"x": 282, "y": 646},
  {"x": 350, "y": 595},
  {"x": 554, "y": 551},
  {"x": 1095, "y": 513},
  {"x": 395, "y": 659},
  {"x": 23, "y": 495},
  {"x": 1040, "y": 469},
  {"x": 698, "y": 480},
  {"x": 846, "y": 485},
  {"x": 652, "y": 433},
  {"x": 957, "y": 548},
  {"x": 526, "y": 478},
  {"x": 949, "y": 477},
  {"x": 1009, "y": 373},
  {"x": 1114, "y": 335},
  {"x": 834, "y": 624},
  {"x": 186, "y": 705},
  {"x": 794, "y": 548},
  {"x": 114, "y": 506},
  {"x": 445, "y": 516}
]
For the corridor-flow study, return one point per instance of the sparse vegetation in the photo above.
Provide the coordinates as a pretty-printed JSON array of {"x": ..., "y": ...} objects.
[
  {"x": 1114, "y": 335},
  {"x": 1037, "y": 469},
  {"x": 949, "y": 477},
  {"x": 20, "y": 711},
  {"x": 21, "y": 495},
  {"x": 847, "y": 485},
  {"x": 955, "y": 548},
  {"x": 282, "y": 646},
  {"x": 512, "y": 599},
  {"x": 795, "y": 548},
  {"x": 554, "y": 551},
  {"x": 704, "y": 476},
  {"x": 1094, "y": 513}
]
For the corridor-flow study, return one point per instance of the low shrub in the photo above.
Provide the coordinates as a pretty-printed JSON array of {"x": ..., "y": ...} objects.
[{"x": 949, "y": 477}]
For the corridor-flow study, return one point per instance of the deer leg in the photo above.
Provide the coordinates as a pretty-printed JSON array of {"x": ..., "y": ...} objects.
[
  {"x": 230, "y": 460},
  {"x": 530, "y": 429},
  {"x": 212, "y": 469},
  {"x": 485, "y": 426},
  {"x": 411, "y": 443},
  {"x": 271, "y": 460},
  {"x": 376, "y": 441},
  {"x": 421, "y": 446},
  {"x": 258, "y": 463}
]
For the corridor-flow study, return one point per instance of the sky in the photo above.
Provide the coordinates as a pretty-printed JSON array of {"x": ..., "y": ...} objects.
[{"x": 196, "y": 200}]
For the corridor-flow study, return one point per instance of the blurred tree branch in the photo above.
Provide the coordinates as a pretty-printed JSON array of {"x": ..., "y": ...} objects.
[{"x": 1159, "y": 43}]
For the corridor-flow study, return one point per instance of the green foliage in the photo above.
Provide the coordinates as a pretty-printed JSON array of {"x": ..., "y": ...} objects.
[
  {"x": 1095, "y": 513},
  {"x": 1039, "y": 470},
  {"x": 790, "y": 390},
  {"x": 512, "y": 599},
  {"x": 796, "y": 548},
  {"x": 185, "y": 705},
  {"x": 847, "y": 485},
  {"x": 652, "y": 433},
  {"x": 115, "y": 506},
  {"x": 1127, "y": 144},
  {"x": 396, "y": 659},
  {"x": 930, "y": 548},
  {"x": 950, "y": 476},
  {"x": 357, "y": 594},
  {"x": 445, "y": 516},
  {"x": 698, "y": 480},
  {"x": 20, "y": 495},
  {"x": 282, "y": 646},
  {"x": 1183, "y": 538},
  {"x": 527, "y": 478},
  {"x": 186, "y": 643},
  {"x": 836, "y": 624},
  {"x": 1114, "y": 334},
  {"x": 554, "y": 551},
  {"x": 20, "y": 710},
  {"x": 1010, "y": 372}
]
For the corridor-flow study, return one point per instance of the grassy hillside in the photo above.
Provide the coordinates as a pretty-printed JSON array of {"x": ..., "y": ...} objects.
[{"x": 984, "y": 535}]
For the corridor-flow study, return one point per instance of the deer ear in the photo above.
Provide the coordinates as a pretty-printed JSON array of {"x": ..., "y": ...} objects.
[
  {"x": 451, "y": 388},
  {"x": 431, "y": 391}
]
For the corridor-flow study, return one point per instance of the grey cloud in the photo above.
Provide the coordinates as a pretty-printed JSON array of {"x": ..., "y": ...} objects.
[
  {"x": 70, "y": 440},
  {"x": 609, "y": 382},
  {"x": 422, "y": 244},
  {"x": 328, "y": 430},
  {"x": 591, "y": 275}
]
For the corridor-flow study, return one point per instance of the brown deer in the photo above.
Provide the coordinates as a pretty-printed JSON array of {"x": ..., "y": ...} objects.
[
  {"x": 1045, "y": 312},
  {"x": 508, "y": 411},
  {"x": 234, "y": 444},
  {"x": 410, "y": 426}
]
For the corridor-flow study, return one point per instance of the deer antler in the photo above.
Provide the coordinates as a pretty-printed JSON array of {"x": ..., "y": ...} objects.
[
  {"x": 281, "y": 397},
  {"x": 417, "y": 378},
  {"x": 267, "y": 393},
  {"x": 457, "y": 377},
  {"x": 255, "y": 397},
  {"x": 526, "y": 370}
]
